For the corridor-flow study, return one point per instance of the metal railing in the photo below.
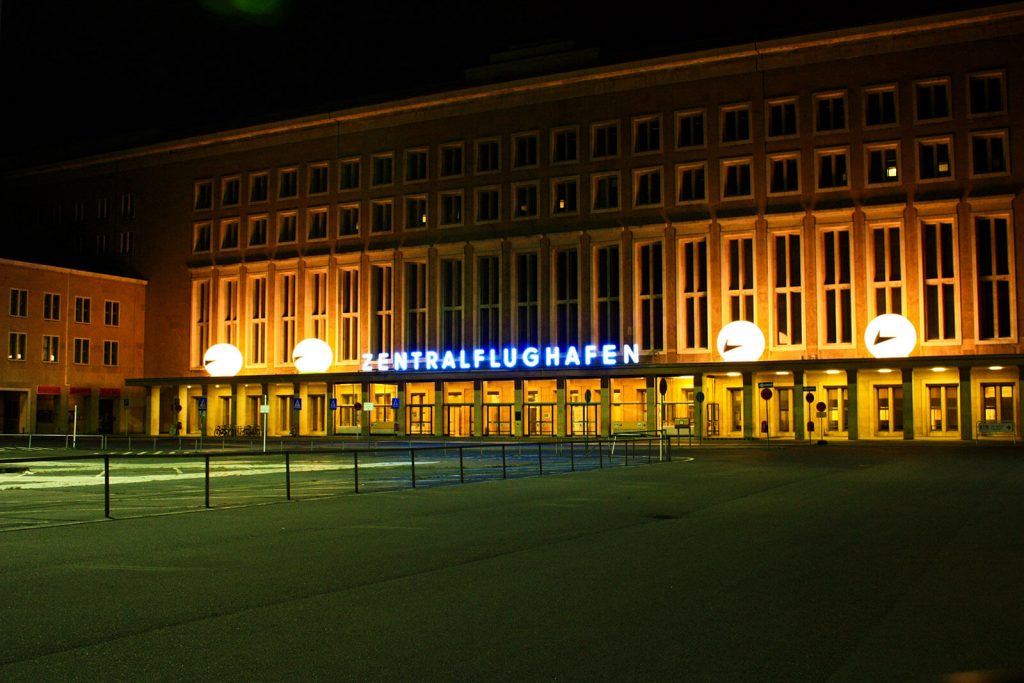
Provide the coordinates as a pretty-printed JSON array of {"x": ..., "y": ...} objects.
[{"x": 375, "y": 467}]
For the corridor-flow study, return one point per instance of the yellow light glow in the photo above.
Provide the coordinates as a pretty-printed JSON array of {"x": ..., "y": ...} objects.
[
  {"x": 312, "y": 355},
  {"x": 938, "y": 369},
  {"x": 891, "y": 171},
  {"x": 222, "y": 360},
  {"x": 732, "y": 374},
  {"x": 995, "y": 367},
  {"x": 885, "y": 371},
  {"x": 832, "y": 372},
  {"x": 782, "y": 372}
]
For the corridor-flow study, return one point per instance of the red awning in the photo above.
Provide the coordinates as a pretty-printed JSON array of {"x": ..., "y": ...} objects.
[{"x": 47, "y": 391}]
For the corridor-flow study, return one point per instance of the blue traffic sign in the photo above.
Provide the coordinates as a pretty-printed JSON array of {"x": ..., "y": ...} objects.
[
  {"x": 296, "y": 403},
  {"x": 333, "y": 405},
  {"x": 395, "y": 403},
  {"x": 202, "y": 404}
]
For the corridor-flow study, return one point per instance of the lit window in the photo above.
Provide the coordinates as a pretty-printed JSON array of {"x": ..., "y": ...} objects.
[
  {"x": 883, "y": 163},
  {"x": 934, "y": 159},
  {"x": 415, "y": 212},
  {"x": 563, "y": 196}
]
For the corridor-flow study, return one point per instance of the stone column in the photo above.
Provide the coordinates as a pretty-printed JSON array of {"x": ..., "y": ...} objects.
[
  {"x": 908, "y": 403},
  {"x": 852, "y": 416},
  {"x": 966, "y": 405}
]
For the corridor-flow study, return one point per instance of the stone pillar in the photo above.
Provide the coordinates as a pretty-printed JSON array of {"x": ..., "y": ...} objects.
[
  {"x": 749, "y": 428},
  {"x": 798, "y": 405},
  {"x": 966, "y": 405},
  {"x": 697, "y": 427},
  {"x": 365, "y": 418},
  {"x": 478, "y": 407},
  {"x": 653, "y": 403},
  {"x": 518, "y": 412},
  {"x": 153, "y": 411},
  {"x": 908, "y": 403},
  {"x": 331, "y": 417},
  {"x": 438, "y": 408},
  {"x": 605, "y": 417},
  {"x": 852, "y": 416},
  {"x": 560, "y": 407}
]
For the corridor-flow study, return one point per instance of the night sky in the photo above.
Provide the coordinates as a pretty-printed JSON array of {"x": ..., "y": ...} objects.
[{"x": 95, "y": 75}]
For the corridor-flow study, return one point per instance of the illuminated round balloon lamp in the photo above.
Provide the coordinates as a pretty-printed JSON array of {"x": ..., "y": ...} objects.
[
  {"x": 312, "y": 355},
  {"x": 890, "y": 336},
  {"x": 741, "y": 341},
  {"x": 222, "y": 360}
]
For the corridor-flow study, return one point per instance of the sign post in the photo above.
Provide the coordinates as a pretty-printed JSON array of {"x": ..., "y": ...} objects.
[
  {"x": 820, "y": 407},
  {"x": 202, "y": 419},
  {"x": 662, "y": 389},
  {"x": 264, "y": 412},
  {"x": 766, "y": 394},
  {"x": 809, "y": 397}
]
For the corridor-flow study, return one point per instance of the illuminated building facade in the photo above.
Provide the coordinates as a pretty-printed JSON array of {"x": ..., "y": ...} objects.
[
  {"x": 71, "y": 338},
  {"x": 806, "y": 186}
]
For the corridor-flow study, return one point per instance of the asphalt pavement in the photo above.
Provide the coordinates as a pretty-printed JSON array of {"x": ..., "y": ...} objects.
[{"x": 893, "y": 562}]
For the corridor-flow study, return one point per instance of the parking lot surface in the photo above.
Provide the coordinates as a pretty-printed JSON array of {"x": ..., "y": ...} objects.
[{"x": 844, "y": 563}]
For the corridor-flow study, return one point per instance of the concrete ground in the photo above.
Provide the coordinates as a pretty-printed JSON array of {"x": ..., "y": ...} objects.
[{"x": 853, "y": 562}]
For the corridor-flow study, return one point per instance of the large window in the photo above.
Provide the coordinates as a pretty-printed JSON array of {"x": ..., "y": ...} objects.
[
  {"x": 527, "y": 299},
  {"x": 567, "y": 298},
  {"x": 943, "y": 408},
  {"x": 110, "y": 353},
  {"x": 940, "y": 282},
  {"x": 739, "y": 252},
  {"x": 16, "y": 345},
  {"x": 994, "y": 251},
  {"x": 887, "y": 269},
  {"x": 830, "y": 112},
  {"x": 691, "y": 182},
  {"x": 985, "y": 91},
  {"x": 997, "y": 402},
  {"x": 415, "y": 306},
  {"x": 200, "y": 320},
  {"x": 650, "y": 297},
  {"x": 316, "y": 303},
  {"x": 693, "y": 275},
  {"x": 838, "y": 297},
  {"x": 931, "y": 99},
  {"x": 735, "y": 123},
  {"x": 382, "y": 307},
  {"x": 604, "y": 139},
  {"x": 258, "y": 320},
  {"x": 605, "y": 191},
  {"x": 787, "y": 289},
  {"x": 19, "y": 303},
  {"x": 287, "y": 301},
  {"x": 451, "y": 304},
  {"x": 51, "y": 348},
  {"x": 690, "y": 129},
  {"x": 608, "y": 270},
  {"x": 880, "y": 106},
  {"x": 488, "y": 301},
  {"x": 646, "y": 134},
  {"x": 83, "y": 309},
  {"x": 228, "y": 306},
  {"x": 51, "y": 306},
  {"x": 348, "y": 314}
]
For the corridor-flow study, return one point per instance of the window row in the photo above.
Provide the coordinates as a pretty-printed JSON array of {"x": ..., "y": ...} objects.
[
  {"x": 17, "y": 350},
  {"x": 456, "y": 304},
  {"x": 829, "y": 113},
  {"x": 52, "y": 308},
  {"x": 989, "y": 156}
]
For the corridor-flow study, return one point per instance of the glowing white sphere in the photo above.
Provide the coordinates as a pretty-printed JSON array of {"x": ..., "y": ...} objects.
[
  {"x": 222, "y": 360},
  {"x": 312, "y": 355},
  {"x": 741, "y": 341},
  {"x": 890, "y": 336}
]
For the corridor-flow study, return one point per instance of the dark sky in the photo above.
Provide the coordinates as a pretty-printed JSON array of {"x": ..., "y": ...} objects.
[{"x": 93, "y": 75}]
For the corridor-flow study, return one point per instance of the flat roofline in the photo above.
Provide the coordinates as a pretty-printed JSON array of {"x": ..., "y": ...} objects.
[
  {"x": 828, "y": 39},
  {"x": 70, "y": 271}
]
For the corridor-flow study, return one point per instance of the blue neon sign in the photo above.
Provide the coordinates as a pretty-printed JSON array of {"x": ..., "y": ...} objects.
[{"x": 509, "y": 358}]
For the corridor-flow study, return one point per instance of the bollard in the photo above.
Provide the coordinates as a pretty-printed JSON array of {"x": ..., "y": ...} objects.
[
  {"x": 462, "y": 468},
  {"x": 572, "y": 456},
  {"x": 207, "y": 481},
  {"x": 412, "y": 461},
  {"x": 540, "y": 459},
  {"x": 504, "y": 470}
]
